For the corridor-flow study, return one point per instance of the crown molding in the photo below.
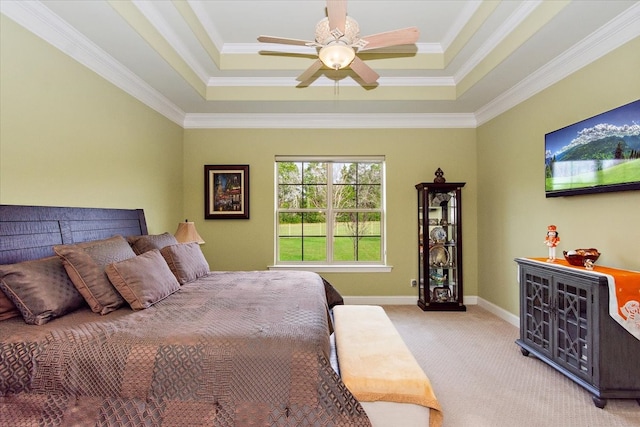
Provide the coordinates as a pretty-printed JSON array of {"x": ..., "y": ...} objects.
[
  {"x": 38, "y": 19},
  {"x": 256, "y": 48},
  {"x": 150, "y": 12},
  {"x": 321, "y": 81},
  {"x": 507, "y": 27},
  {"x": 457, "y": 27},
  {"x": 329, "y": 121},
  {"x": 611, "y": 36},
  {"x": 208, "y": 27}
]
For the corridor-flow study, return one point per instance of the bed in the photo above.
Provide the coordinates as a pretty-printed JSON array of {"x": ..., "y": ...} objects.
[{"x": 218, "y": 348}]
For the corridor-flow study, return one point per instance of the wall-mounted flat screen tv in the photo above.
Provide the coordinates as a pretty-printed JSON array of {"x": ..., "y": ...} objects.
[{"x": 596, "y": 155}]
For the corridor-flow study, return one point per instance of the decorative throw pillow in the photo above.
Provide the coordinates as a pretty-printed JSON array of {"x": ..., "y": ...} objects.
[
  {"x": 144, "y": 243},
  {"x": 85, "y": 263},
  {"x": 333, "y": 296},
  {"x": 8, "y": 309},
  {"x": 144, "y": 280},
  {"x": 40, "y": 289},
  {"x": 186, "y": 261}
]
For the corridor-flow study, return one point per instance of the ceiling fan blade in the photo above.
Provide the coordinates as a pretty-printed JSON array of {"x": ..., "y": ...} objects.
[
  {"x": 289, "y": 54},
  {"x": 392, "y": 38},
  {"x": 309, "y": 72},
  {"x": 282, "y": 40},
  {"x": 365, "y": 72},
  {"x": 337, "y": 14},
  {"x": 307, "y": 82}
]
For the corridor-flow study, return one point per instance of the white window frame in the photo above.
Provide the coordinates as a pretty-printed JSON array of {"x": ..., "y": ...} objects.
[{"x": 336, "y": 266}]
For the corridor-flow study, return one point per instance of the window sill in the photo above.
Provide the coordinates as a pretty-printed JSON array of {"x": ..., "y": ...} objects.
[{"x": 319, "y": 268}]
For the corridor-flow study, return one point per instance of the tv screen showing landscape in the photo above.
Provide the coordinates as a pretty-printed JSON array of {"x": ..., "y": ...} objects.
[{"x": 596, "y": 155}]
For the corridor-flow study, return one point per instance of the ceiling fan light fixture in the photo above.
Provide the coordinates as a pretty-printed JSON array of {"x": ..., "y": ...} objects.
[
  {"x": 337, "y": 40},
  {"x": 336, "y": 55}
]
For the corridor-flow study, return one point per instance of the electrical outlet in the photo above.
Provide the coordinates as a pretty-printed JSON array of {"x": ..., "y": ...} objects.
[{"x": 414, "y": 283}]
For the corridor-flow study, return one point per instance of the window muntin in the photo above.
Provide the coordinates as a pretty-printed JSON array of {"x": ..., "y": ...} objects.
[{"x": 330, "y": 211}]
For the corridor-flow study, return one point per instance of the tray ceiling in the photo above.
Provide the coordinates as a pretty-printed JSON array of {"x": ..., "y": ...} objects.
[{"x": 199, "y": 63}]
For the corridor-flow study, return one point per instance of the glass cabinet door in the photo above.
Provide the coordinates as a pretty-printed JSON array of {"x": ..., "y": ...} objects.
[{"x": 440, "y": 247}]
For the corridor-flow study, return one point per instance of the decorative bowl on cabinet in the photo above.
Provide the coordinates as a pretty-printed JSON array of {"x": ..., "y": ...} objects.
[{"x": 578, "y": 257}]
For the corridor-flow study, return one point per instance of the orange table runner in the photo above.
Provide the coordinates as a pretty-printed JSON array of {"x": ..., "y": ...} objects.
[{"x": 624, "y": 293}]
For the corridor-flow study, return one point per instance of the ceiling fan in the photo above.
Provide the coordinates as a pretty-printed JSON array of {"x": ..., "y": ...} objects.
[{"x": 337, "y": 40}]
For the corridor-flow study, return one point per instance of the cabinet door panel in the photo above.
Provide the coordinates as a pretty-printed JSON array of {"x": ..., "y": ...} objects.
[
  {"x": 573, "y": 307},
  {"x": 537, "y": 310}
]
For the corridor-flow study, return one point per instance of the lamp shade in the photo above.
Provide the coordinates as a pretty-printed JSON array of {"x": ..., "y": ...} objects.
[{"x": 187, "y": 233}]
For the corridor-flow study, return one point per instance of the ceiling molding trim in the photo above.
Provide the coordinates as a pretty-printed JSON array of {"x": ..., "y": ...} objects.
[
  {"x": 201, "y": 14},
  {"x": 197, "y": 20},
  {"x": 422, "y": 49},
  {"x": 471, "y": 27},
  {"x": 329, "y": 121},
  {"x": 620, "y": 30},
  {"x": 537, "y": 19},
  {"x": 256, "y": 48},
  {"x": 499, "y": 35},
  {"x": 276, "y": 57},
  {"x": 150, "y": 12},
  {"x": 460, "y": 24},
  {"x": 289, "y": 82},
  {"x": 39, "y": 20},
  {"x": 146, "y": 29}
]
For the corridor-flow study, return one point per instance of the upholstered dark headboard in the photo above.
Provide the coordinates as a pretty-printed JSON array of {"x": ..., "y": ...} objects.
[{"x": 30, "y": 232}]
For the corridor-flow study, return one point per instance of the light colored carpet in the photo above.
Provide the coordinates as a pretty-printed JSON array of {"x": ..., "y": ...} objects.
[{"x": 482, "y": 379}]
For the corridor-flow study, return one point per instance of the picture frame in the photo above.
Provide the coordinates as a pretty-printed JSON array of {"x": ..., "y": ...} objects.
[{"x": 226, "y": 191}]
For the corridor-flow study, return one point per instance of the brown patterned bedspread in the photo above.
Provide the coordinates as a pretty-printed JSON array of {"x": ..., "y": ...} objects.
[{"x": 231, "y": 349}]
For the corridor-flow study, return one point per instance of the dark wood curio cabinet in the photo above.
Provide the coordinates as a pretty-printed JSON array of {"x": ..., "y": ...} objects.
[
  {"x": 565, "y": 322},
  {"x": 440, "y": 246}
]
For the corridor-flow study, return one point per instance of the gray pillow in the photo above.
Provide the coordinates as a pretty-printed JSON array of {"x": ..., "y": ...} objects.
[
  {"x": 40, "y": 289},
  {"x": 85, "y": 264},
  {"x": 145, "y": 243},
  {"x": 8, "y": 309},
  {"x": 186, "y": 261},
  {"x": 144, "y": 280}
]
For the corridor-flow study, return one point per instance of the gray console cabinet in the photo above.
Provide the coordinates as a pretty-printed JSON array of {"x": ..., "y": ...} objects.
[{"x": 565, "y": 322}]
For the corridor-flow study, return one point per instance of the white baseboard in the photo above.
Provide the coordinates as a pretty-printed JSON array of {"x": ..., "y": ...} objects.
[
  {"x": 381, "y": 300},
  {"x": 500, "y": 312},
  {"x": 412, "y": 300},
  {"x": 395, "y": 300}
]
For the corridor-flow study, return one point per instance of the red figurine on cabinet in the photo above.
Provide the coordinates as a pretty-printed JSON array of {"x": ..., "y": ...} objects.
[{"x": 551, "y": 241}]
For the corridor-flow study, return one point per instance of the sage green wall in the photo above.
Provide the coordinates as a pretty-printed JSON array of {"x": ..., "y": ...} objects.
[
  {"x": 513, "y": 210},
  {"x": 70, "y": 138},
  {"x": 412, "y": 156}
]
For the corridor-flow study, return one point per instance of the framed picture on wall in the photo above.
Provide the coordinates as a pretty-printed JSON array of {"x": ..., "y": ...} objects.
[{"x": 226, "y": 191}]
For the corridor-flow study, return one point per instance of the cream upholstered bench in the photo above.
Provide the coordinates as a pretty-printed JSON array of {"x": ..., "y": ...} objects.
[{"x": 380, "y": 371}]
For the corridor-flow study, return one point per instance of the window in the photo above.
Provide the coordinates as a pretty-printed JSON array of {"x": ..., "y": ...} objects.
[{"x": 330, "y": 211}]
